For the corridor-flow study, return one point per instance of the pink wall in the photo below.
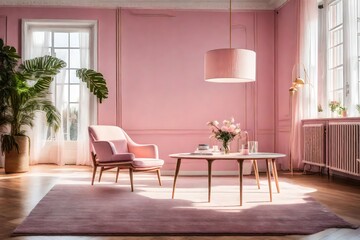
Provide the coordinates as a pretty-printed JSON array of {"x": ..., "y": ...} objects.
[
  {"x": 286, "y": 33},
  {"x": 106, "y": 42},
  {"x": 164, "y": 99}
]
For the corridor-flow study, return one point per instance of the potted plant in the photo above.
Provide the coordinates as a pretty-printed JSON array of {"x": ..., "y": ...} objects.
[
  {"x": 320, "y": 110},
  {"x": 342, "y": 111},
  {"x": 334, "y": 105},
  {"x": 24, "y": 90}
]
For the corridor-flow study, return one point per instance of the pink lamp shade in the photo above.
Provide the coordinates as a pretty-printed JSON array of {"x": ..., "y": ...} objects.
[{"x": 230, "y": 65}]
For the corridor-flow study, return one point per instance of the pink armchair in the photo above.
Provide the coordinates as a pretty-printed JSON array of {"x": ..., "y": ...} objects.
[{"x": 112, "y": 147}]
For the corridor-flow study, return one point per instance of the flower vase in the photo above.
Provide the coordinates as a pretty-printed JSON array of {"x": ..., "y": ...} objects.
[{"x": 226, "y": 147}]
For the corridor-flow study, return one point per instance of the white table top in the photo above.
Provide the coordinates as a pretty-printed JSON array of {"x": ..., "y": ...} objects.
[{"x": 230, "y": 156}]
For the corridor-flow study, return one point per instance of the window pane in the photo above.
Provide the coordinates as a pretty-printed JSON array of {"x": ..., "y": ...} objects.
[
  {"x": 73, "y": 121},
  {"x": 73, "y": 78},
  {"x": 63, "y": 55},
  {"x": 338, "y": 96},
  {"x": 74, "y": 39},
  {"x": 61, "y": 39},
  {"x": 338, "y": 79},
  {"x": 336, "y": 37},
  {"x": 74, "y": 93},
  {"x": 336, "y": 56},
  {"x": 335, "y": 14},
  {"x": 74, "y": 58}
]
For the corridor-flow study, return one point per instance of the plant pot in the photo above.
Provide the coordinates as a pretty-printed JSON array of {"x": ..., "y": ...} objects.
[{"x": 18, "y": 162}]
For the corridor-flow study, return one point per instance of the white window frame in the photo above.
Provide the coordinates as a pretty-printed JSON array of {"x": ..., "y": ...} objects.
[
  {"x": 350, "y": 85},
  {"x": 63, "y": 24},
  {"x": 68, "y": 26}
]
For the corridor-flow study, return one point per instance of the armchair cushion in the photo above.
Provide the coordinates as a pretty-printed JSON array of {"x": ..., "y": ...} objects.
[
  {"x": 144, "y": 150},
  {"x": 104, "y": 150},
  {"x": 121, "y": 145},
  {"x": 121, "y": 157},
  {"x": 147, "y": 162}
]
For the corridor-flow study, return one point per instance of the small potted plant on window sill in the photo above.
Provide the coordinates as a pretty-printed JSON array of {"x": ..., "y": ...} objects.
[
  {"x": 24, "y": 90},
  {"x": 334, "y": 106},
  {"x": 342, "y": 111},
  {"x": 320, "y": 111}
]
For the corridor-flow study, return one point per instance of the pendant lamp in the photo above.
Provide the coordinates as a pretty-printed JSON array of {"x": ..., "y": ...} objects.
[{"x": 230, "y": 65}]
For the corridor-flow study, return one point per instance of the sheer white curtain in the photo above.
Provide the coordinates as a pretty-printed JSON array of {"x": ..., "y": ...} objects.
[
  {"x": 351, "y": 55},
  {"x": 87, "y": 113},
  {"x": 50, "y": 147},
  {"x": 304, "y": 102},
  {"x": 42, "y": 146}
]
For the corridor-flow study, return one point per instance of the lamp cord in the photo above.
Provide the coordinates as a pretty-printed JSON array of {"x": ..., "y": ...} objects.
[{"x": 230, "y": 23}]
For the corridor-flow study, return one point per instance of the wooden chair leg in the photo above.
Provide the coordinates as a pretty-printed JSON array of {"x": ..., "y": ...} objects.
[
  {"x": 256, "y": 171},
  {"x": 159, "y": 176},
  {"x": 101, "y": 170},
  {"x": 117, "y": 174},
  {"x": 93, "y": 175},
  {"x": 131, "y": 179}
]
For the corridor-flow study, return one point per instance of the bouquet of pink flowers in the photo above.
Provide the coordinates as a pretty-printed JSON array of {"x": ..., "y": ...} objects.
[
  {"x": 225, "y": 133},
  {"x": 334, "y": 105}
]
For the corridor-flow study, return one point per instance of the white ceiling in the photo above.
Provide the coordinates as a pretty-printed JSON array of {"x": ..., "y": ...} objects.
[{"x": 153, "y": 4}]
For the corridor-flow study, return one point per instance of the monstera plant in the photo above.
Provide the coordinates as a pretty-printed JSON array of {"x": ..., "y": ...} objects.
[{"x": 24, "y": 90}]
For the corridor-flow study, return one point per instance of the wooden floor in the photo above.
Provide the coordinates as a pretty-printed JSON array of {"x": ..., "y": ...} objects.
[{"x": 19, "y": 194}]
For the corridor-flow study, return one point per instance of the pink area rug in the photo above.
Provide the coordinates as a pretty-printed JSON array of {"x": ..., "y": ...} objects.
[{"x": 112, "y": 209}]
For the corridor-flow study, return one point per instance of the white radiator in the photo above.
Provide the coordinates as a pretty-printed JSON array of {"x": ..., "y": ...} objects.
[
  {"x": 314, "y": 144},
  {"x": 344, "y": 147}
]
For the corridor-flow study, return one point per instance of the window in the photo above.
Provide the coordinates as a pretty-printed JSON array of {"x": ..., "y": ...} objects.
[
  {"x": 335, "y": 51},
  {"x": 75, "y": 43},
  {"x": 65, "y": 45},
  {"x": 343, "y": 54}
]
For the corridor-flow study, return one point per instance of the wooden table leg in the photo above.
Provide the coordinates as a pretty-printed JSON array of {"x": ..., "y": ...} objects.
[
  {"x": 275, "y": 175},
  {"x": 131, "y": 172},
  {"x": 268, "y": 173},
  {"x": 240, "y": 162},
  {"x": 210, "y": 161},
  {"x": 256, "y": 171},
  {"x": 178, "y": 163}
]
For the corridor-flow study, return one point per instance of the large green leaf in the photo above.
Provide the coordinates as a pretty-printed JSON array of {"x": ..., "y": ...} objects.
[
  {"x": 8, "y": 142},
  {"x": 40, "y": 104},
  {"x": 41, "y": 67},
  {"x": 94, "y": 81}
]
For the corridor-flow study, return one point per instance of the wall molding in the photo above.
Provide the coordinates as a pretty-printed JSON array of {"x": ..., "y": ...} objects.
[
  {"x": 168, "y": 131},
  {"x": 284, "y": 129},
  {"x": 153, "y": 4},
  {"x": 3, "y": 28},
  {"x": 185, "y": 131},
  {"x": 265, "y": 131},
  {"x": 118, "y": 69}
]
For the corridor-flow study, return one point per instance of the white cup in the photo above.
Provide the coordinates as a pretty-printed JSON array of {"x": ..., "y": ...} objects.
[
  {"x": 253, "y": 146},
  {"x": 215, "y": 148}
]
